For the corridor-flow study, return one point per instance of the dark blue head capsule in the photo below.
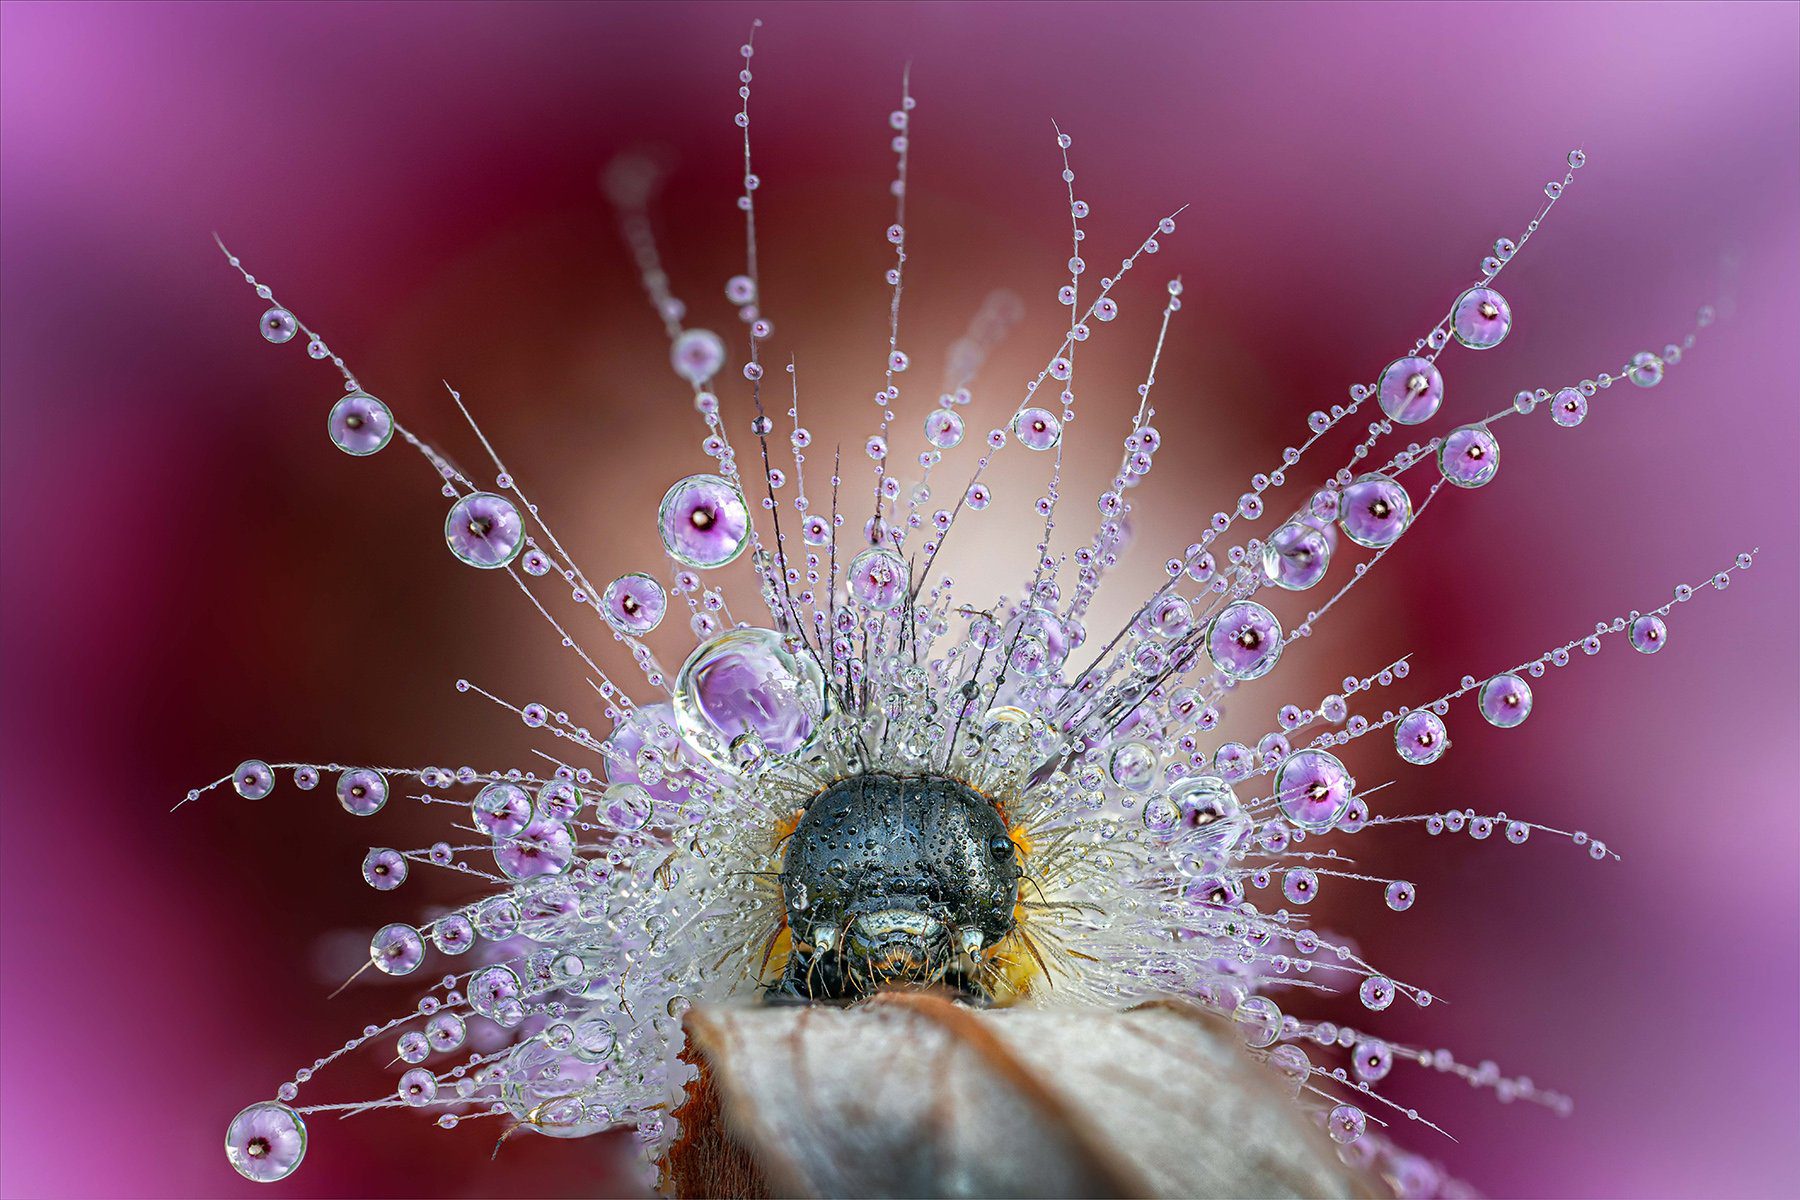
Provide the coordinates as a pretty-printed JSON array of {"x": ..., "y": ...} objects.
[{"x": 894, "y": 880}]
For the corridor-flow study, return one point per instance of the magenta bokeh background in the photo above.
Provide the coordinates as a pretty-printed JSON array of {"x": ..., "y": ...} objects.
[{"x": 192, "y": 574}]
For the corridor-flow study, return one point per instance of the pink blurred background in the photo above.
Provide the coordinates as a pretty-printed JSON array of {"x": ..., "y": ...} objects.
[{"x": 193, "y": 575}]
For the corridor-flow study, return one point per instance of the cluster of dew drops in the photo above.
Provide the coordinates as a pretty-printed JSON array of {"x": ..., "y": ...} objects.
[{"x": 705, "y": 522}]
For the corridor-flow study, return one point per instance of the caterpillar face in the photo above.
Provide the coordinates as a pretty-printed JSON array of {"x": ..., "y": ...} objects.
[{"x": 894, "y": 880}]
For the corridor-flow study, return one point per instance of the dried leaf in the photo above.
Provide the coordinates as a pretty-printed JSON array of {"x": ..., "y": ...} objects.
[{"x": 913, "y": 1095}]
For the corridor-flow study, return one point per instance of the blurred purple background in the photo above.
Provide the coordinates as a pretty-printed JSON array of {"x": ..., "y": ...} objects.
[{"x": 193, "y": 575}]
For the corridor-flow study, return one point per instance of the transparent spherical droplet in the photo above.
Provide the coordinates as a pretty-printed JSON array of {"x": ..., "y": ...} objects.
[
  {"x": 545, "y": 1086},
  {"x": 445, "y": 1031},
  {"x": 1296, "y": 556},
  {"x": 1505, "y": 700},
  {"x": 1411, "y": 390},
  {"x": 943, "y": 428},
  {"x": 1037, "y": 429},
  {"x": 491, "y": 988},
  {"x": 634, "y": 604},
  {"x": 878, "y": 578},
  {"x": 1346, "y": 1124},
  {"x": 306, "y": 778},
  {"x": 362, "y": 792},
  {"x": 1374, "y": 511},
  {"x": 1481, "y": 319},
  {"x": 1648, "y": 634},
  {"x": 1244, "y": 640},
  {"x": 501, "y": 809},
  {"x": 1258, "y": 1021},
  {"x": 484, "y": 530},
  {"x": 1646, "y": 369},
  {"x": 978, "y": 496},
  {"x": 1212, "y": 821},
  {"x": 543, "y": 847},
  {"x": 704, "y": 521},
  {"x": 266, "y": 1141},
  {"x": 279, "y": 325},
  {"x": 740, "y": 290},
  {"x": 397, "y": 949},
  {"x": 253, "y": 779},
  {"x": 559, "y": 800},
  {"x": 1300, "y": 885},
  {"x": 1234, "y": 761},
  {"x": 1420, "y": 737},
  {"x": 1469, "y": 457},
  {"x": 418, "y": 1087},
  {"x": 384, "y": 869},
  {"x": 1568, "y": 408},
  {"x": 1132, "y": 766},
  {"x": 626, "y": 807},
  {"x": 746, "y": 680},
  {"x": 1313, "y": 788},
  {"x": 1291, "y": 1066},
  {"x": 1376, "y": 992},
  {"x": 360, "y": 424},
  {"x": 1372, "y": 1060},
  {"x": 1162, "y": 816},
  {"x": 453, "y": 934},
  {"x": 1170, "y": 616},
  {"x": 1399, "y": 895},
  {"x": 697, "y": 355},
  {"x": 412, "y": 1047},
  {"x": 1036, "y": 642}
]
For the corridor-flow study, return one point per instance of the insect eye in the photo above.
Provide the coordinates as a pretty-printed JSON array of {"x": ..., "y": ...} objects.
[{"x": 1000, "y": 847}]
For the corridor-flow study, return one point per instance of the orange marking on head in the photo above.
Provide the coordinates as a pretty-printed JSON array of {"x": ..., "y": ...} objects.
[
  {"x": 784, "y": 828},
  {"x": 776, "y": 954}
]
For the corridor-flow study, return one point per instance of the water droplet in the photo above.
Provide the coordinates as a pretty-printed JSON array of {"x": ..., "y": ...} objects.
[
  {"x": 943, "y": 428},
  {"x": 1411, "y": 390},
  {"x": 484, "y": 530},
  {"x": 397, "y": 949},
  {"x": 878, "y": 578},
  {"x": 634, "y": 604},
  {"x": 1481, "y": 319},
  {"x": 1313, "y": 788},
  {"x": 1296, "y": 556},
  {"x": 253, "y": 779},
  {"x": 704, "y": 521},
  {"x": 1505, "y": 700},
  {"x": 278, "y": 326},
  {"x": 746, "y": 680},
  {"x": 697, "y": 355},
  {"x": 362, "y": 792},
  {"x": 1469, "y": 457},
  {"x": 1648, "y": 634},
  {"x": 1568, "y": 408},
  {"x": 1374, "y": 511},
  {"x": 1244, "y": 640},
  {"x": 1420, "y": 737},
  {"x": 360, "y": 424},
  {"x": 265, "y": 1142},
  {"x": 1258, "y": 1021}
]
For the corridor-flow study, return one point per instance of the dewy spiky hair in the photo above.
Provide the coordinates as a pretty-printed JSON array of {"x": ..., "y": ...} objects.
[{"x": 862, "y": 779}]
